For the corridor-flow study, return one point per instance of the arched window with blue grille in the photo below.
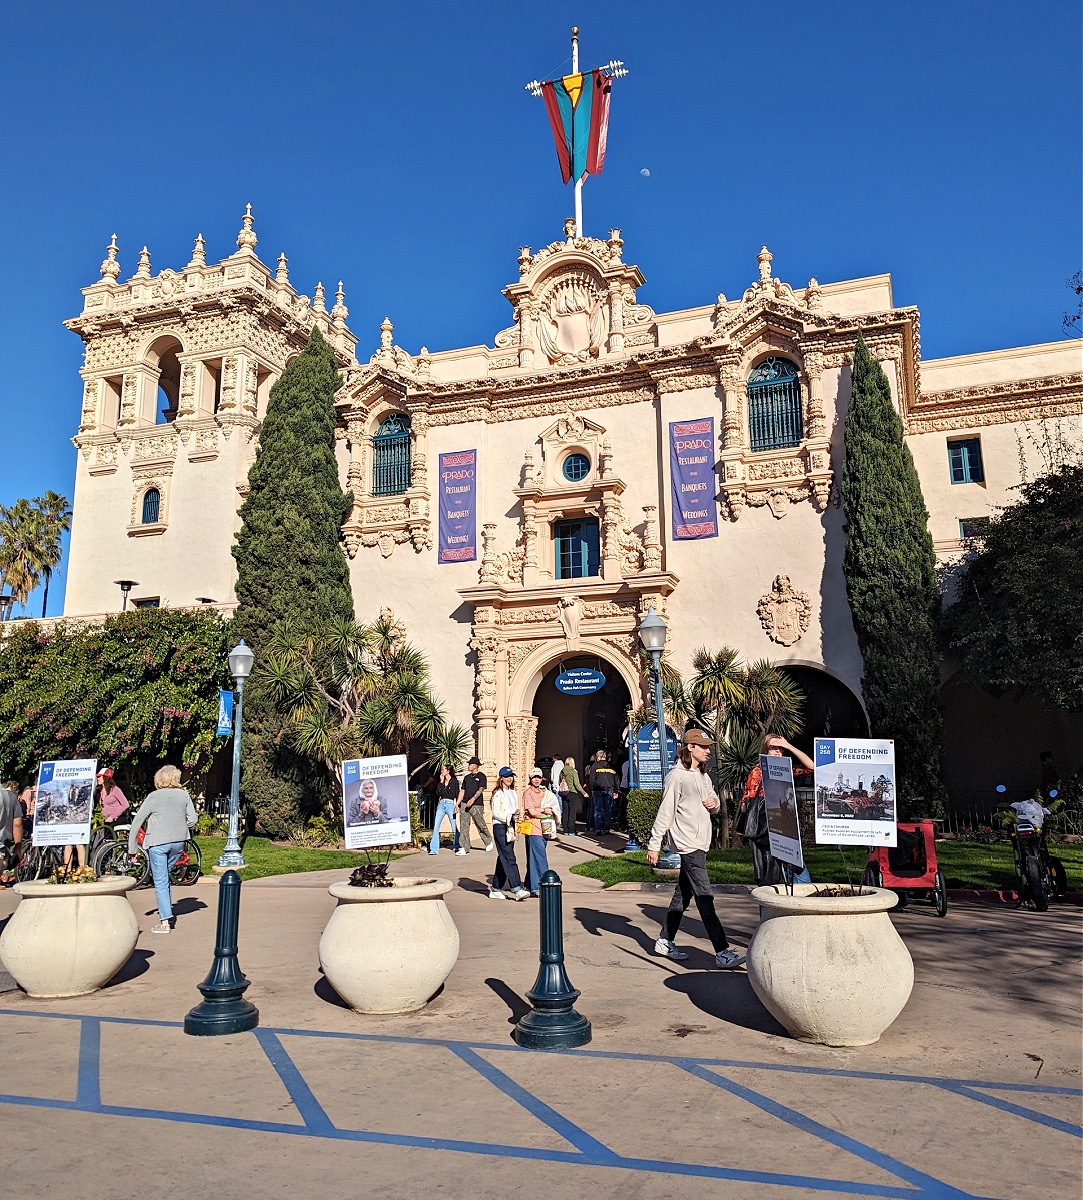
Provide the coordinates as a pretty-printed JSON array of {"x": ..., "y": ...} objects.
[
  {"x": 152, "y": 506},
  {"x": 774, "y": 405},
  {"x": 391, "y": 456}
]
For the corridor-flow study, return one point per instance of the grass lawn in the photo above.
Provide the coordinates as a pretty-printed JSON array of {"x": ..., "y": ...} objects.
[
  {"x": 965, "y": 865},
  {"x": 265, "y": 858}
]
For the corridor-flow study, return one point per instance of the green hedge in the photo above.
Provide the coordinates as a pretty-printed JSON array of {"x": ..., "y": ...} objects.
[{"x": 643, "y": 807}]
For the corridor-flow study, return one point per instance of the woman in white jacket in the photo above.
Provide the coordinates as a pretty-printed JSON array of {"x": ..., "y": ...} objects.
[{"x": 505, "y": 804}]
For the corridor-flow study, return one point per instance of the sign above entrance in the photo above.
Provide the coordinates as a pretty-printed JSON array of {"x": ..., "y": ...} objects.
[{"x": 580, "y": 681}]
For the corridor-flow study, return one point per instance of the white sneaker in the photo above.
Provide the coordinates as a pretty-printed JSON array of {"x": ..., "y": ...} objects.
[
  {"x": 462, "y": 851},
  {"x": 728, "y": 959},
  {"x": 161, "y": 927},
  {"x": 496, "y": 894},
  {"x": 488, "y": 847},
  {"x": 520, "y": 894},
  {"x": 668, "y": 950}
]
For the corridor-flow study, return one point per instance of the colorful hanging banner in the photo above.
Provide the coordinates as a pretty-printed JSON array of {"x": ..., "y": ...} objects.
[
  {"x": 458, "y": 506},
  {"x": 691, "y": 468},
  {"x": 578, "y": 108}
]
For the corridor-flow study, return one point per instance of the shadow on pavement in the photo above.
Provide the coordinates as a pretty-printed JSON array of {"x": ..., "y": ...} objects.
[
  {"x": 727, "y": 996},
  {"x": 328, "y": 994},
  {"x": 595, "y": 921},
  {"x": 515, "y": 1002},
  {"x": 473, "y": 885},
  {"x": 138, "y": 964}
]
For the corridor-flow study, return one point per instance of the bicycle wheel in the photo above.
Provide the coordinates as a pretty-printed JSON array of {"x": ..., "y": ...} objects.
[
  {"x": 189, "y": 867},
  {"x": 38, "y": 862},
  {"x": 1060, "y": 876},
  {"x": 1036, "y": 884},
  {"x": 940, "y": 895},
  {"x": 98, "y": 853},
  {"x": 872, "y": 876},
  {"x": 117, "y": 861}
]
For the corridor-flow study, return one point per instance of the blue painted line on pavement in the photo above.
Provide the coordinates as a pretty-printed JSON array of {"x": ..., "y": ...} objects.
[
  {"x": 88, "y": 1092},
  {"x": 1017, "y": 1110},
  {"x": 935, "y": 1189},
  {"x": 537, "y": 1108},
  {"x": 572, "y": 1158},
  {"x": 293, "y": 1081}
]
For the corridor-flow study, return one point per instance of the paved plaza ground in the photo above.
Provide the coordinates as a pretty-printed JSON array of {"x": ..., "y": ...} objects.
[{"x": 688, "y": 1088}]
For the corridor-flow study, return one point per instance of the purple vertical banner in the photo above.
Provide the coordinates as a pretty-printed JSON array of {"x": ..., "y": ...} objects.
[
  {"x": 691, "y": 468},
  {"x": 458, "y": 506}
]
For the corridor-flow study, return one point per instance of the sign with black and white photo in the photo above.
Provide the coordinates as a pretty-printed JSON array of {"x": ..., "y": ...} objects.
[
  {"x": 65, "y": 800},
  {"x": 780, "y": 800},
  {"x": 376, "y": 802},
  {"x": 855, "y": 792}
]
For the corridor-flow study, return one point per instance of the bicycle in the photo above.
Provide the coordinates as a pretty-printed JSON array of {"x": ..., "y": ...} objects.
[
  {"x": 114, "y": 859},
  {"x": 38, "y": 862}
]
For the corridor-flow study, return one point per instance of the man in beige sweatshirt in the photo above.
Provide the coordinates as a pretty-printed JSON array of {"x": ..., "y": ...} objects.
[{"x": 688, "y": 800}]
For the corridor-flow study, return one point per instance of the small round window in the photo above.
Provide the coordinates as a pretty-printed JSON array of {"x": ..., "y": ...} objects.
[{"x": 576, "y": 467}]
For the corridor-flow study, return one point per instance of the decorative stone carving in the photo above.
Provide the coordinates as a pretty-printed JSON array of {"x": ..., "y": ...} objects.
[
  {"x": 570, "y": 613},
  {"x": 596, "y": 609},
  {"x": 522, "y": 731},
  {"x": 517, "y": 652},
  {"x": 626, "y": 644},
  {"x": 396, "y": 628},
  {"x": 784, "y": 613}
]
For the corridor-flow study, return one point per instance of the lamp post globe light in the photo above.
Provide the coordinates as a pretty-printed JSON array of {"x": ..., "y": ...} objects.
[{"x": 240, "y": 667}]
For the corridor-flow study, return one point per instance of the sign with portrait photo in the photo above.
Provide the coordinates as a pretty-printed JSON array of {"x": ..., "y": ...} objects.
[
  {"x": 376, "y": 802},
  {"x": 780, "y": 800},
  {"x": 855, "y": 792},
  {"x": 65, "y": 800}
]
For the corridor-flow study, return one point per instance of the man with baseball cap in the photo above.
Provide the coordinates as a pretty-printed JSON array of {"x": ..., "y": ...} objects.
[
  {"x": 688, "y": 799},
  {"x": 471, "y": 806}
]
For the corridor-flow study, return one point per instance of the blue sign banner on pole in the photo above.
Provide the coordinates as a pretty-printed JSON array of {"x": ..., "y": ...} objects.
[
  {"x": 457, "y": 497},
  {"x": 225, "y": 713},
  {"x": 645, "y": 756},
  {"x": 580, "y": 681}
]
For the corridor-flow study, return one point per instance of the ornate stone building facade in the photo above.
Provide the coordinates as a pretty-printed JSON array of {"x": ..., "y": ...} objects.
[{"x": 569, "y": 413}]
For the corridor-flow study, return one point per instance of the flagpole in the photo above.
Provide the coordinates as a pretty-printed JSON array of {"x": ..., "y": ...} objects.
[{"x": 579, "y": 181}]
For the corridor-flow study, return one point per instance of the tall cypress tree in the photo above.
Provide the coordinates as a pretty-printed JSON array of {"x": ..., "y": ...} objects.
[
  {"x": 290, "y": 563},
  {"x": 891, "y": 584}
]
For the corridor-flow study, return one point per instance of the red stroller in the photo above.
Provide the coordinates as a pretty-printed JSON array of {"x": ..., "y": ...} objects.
[{"x": 910, "y": 868}]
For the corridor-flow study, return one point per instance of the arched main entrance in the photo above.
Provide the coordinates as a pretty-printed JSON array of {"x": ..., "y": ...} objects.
[
  {"x": 580, "y": 725},
  {"x": 831, "y": 708}
]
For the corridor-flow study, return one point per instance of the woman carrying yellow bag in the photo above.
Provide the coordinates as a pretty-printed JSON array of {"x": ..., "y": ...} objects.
[
  {"x": 505, "y": 806},
  {"x": 537, "y": 805}
]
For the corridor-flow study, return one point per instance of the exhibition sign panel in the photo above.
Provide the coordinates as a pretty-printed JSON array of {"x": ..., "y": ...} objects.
[
  {"x": 780, "y": 800},
  {"x": 855, "y": 792},
  {"x": 376, "y": 802},
  {"x": 64, "y": 802}
]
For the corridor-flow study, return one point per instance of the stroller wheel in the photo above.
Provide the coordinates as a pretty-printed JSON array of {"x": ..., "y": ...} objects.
[
  {"x": 940, "y": 895},
  {"x": 904, "y": 897}
]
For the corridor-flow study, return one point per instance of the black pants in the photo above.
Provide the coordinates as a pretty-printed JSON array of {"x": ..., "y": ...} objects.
[
  {"x": 507, "y": 869},
  {"x": 693, "y": 881},
  {"x": 569, "y": 802}
]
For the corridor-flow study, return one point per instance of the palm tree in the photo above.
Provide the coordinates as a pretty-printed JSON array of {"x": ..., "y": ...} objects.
[
  {"x": 717, "y": 688},
  {"x": 20, "y": 556},
  {"x": 55, "y": 520},
  {"x": 349, "y": 690}
]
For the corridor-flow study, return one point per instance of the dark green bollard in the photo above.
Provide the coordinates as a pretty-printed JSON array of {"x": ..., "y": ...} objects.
[
  {"x": 224, "y": 1009},
  {"x": 553, "y": 1023}
]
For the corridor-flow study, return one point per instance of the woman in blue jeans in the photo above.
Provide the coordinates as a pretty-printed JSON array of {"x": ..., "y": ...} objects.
[
  {"x": 169, "y": 815},
  {"x": 447, "y": 795}
]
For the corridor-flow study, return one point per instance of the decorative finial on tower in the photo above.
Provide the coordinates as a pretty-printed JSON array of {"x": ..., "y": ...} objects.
[
  {"x": 424, "y": 363},
  {"x": 569, "y": 229},
  {"x": 143, "y": 270},
  {"x": 246, "y": 239},
  {"x": 199, "y": 252},
  {"x": 764, "y": 259},
  {"x": 386, "y": 330},
  {"x": 524, "y": 259},
  {"x": 340, "y": 312},
  {"x": 616, "y": 244},
  {"x": 110, "y": 268},
  {"x": 813, "y": 295},
  {"x": 318, "y": 303},
  {"x": 282, "y": 275}
]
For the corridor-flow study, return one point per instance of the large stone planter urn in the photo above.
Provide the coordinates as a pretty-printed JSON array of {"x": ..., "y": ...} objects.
[
  {"x": 69, "y": 939},
  {"x": 388, "y": 950},
  {"x": 831, "y": 970}
]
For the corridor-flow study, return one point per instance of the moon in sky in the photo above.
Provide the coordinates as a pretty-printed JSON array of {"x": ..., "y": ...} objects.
[{"x": 644, "y": 172}]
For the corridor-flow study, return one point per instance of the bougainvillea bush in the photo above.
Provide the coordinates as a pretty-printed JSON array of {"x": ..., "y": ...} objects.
[{"x": 135, "y": 692}]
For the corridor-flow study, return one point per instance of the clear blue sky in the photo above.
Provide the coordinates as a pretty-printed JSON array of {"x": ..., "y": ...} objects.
[{"x": 392, "y": 145}]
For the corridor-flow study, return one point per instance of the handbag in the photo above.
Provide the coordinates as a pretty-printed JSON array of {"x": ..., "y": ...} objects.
[
  {"x": 549, "y": 828},
  {"x": 524, "y": 827},
  {"x": 751, "y": 822}
]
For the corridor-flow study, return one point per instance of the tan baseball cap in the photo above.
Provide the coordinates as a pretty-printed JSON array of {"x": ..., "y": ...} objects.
[{"x": 696, "y": 737}]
